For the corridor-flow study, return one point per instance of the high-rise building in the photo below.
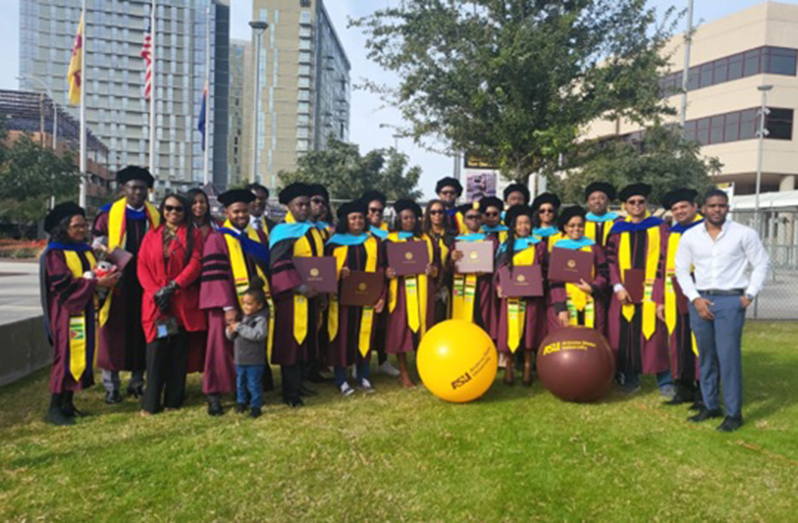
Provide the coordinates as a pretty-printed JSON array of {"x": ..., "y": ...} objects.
[
  {"x": 116, "y": 109},
  {"x": 304, "y": 85},
  {"x": 238, "y": 155}
]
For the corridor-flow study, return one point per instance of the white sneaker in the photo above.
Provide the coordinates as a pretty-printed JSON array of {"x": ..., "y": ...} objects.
[
  {"x": 387, "y": 368},
  {"x": 347, "y": 389},
  {"x": 365, "y": 386}
]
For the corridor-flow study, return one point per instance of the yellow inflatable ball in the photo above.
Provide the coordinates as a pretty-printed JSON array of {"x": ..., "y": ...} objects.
[{"x": 457, "y": 361}]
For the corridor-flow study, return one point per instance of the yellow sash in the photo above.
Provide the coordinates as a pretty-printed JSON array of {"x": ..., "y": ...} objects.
[
  {"x": 553, "y": 239},
  {"x": 578, "y": 301},
  {"x": 77, "y": 323},
  {"x": 670, "y": 272},
  {"x": 367, "y": 319},
  {"x": 592, "y": 227},
  {"x": 415, "y": 292},
  {"x": 652, "y": 260},
  {"x": 516, "y": 307},
  {"x": 241, "y": 276},
  {"x": 302, "y": 249},
  {"x": 117, "y": 237}
]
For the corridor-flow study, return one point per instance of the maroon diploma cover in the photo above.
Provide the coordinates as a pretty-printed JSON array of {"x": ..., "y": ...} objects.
[
  {"x": 362, "y": 289},
  {"x": 521, "y": 281},
  {"x": 120, "y": 258},
  {"x": 477, "y": 257},
  {"x": 318, "y": 273},
  {"x": 408, "y": 258},
  {"x": 634, "y": 281},
  {"x": 571, "y": 266}
]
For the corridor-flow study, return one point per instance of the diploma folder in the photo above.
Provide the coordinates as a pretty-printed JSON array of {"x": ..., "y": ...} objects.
[
  {"x": 362, "y": 289},
  {"x": 408, "y": 258},
  {"x": 634, "y": 281},
  {"x": 477, "y": 257},
  {"x": 521, "y": 281},
  {"x": 318, "y": 273},
  {"x": 570, "y": 266},
  {"x": 120, "y": 258}
]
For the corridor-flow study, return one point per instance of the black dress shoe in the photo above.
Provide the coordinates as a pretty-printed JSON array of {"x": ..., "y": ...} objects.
[
  {"x": 215, "y": 408},
  {"x": 113, "y": 397},
  {"x": 255, "y": 412},
  {"x": 136, "y": 392},
  {"x": 706, "y": 414},
  {"x": 678, "y": 399},
  {"x": 306, "y": 392},
  {"x": 241, "y": 408},
  {"x": 294, "y": 403},
  {"x": 697, "y": 405},
  {"x": 731, "y": 423}
]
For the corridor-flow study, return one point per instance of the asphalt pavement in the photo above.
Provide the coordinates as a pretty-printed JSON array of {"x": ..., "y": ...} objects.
[{"x": 19, "y": 291}]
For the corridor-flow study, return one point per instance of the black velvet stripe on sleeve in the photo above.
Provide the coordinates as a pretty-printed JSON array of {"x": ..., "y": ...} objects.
[
  {"x": 216, "y": 267},
  {"x": 214, "y": 257}
]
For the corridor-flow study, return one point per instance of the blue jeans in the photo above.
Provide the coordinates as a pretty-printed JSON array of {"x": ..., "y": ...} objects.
[
  {"x": 719, "y": 355},
  {"x": 250, "y": 380},
  {"x": 363, "y": 371}
]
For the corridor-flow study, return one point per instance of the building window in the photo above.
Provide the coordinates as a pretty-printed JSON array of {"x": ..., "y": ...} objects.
[{"x": 779, "y": 124}]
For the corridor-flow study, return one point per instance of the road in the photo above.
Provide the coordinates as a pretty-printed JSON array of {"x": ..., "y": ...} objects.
[{"x": 19, "y": 291}]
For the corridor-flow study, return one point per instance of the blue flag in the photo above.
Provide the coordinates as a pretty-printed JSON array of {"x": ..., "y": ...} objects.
[{"x": 202, "y": 117}]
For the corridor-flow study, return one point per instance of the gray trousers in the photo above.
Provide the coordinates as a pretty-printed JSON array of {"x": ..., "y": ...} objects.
[
  {"x": 111, "y": 381},
  {"x": 719, "y": 356}
]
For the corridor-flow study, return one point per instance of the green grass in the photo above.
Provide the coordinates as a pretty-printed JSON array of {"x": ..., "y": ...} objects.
[{"x": 404, "y": 455}]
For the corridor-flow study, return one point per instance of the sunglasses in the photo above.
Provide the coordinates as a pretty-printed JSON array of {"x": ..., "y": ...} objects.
[
  {"x": 636, "y": 202},
  {"x": 375, "y": 210},
  {"x": 546, "y": 211},
  {"x": 436, "y": 212},
  {"x": 472, "y": 217},
  {"x": 173, "y": 208},
  {"x": 491, "y": 214}
]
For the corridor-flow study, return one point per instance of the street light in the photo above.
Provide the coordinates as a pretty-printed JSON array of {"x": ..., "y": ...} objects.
[
  {"x": 52, "y": 100},
  {"x": 761, "y": 134},
  {"x": 258, "y": 28}
]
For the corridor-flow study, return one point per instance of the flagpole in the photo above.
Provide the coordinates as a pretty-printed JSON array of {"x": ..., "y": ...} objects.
[
  {"x": 205, "y": 172},
  {"x": 83, "y": 174},
  {"x": 153, "y": 92}
]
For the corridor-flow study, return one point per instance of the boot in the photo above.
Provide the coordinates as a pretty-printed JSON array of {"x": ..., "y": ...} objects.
[
  {"x": 68, "y": 407},
  {"x": 55, "y": 415},
  {"x": 215, "y": 405},
  {"x": 684, "y": 394}
]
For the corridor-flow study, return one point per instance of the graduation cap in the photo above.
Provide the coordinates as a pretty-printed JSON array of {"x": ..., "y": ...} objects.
[
  {"x": 515, "y": 211},
  {"x": 492, "y": 201},
  {"x": 635, "y": 189},
  {"x": 517, "y": 187},
  {"x": 449, "y": 182},
  {"x": 405, "y": 205},
  {"x": 61, "y": 211},
  {"x": 236, "y": 196},
  {"x": 568, "y": 213},
  {"x": 134, "y": 172},
  {"x": 317, "y": 189},
  {"x": 546, "y": 197},
  {"x": 355, "y": 206},
  {"x": 294, "y": 190},
  {"x": 370, "y": 196},
  {"x": 604, "y": 187},
  {"x": 258, "y": 187},
  {"x": 679, "y": 195},
  {"x": 463, "y": 209}
]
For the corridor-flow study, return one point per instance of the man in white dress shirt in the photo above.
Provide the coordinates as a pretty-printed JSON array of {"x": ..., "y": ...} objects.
[{"x": 720, "y": 252}]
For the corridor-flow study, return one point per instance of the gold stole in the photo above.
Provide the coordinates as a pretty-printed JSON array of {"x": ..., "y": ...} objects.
[
  {"x": 241, "y": 277},
  {"x": 415, "y": 292},
  {"x": 670, "y": 292},
  {"x": 117, "y": 237},
  {"x": 302, "y": 249},
  {"x": 77, "y": 323},
  {"x": 578, "y": 300},
  {"x": 553, "y": 239},
  {"x": 265, "y": 227},
  {"x": 289, "y": 218},
  {"x": 516, "y": 307},
  {"x": 367, "y": 319},
  {"x": 591, "y": 229},
  {"x": 652, "y": 260}
]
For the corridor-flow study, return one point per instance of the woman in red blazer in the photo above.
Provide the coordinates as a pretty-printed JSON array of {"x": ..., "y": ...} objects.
[{"x": 169, "y": 266}]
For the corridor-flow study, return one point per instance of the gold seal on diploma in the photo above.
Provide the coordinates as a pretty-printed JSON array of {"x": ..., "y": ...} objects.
[
  {"x": 474, "y": 255},
  {"x": 314, "y": 272},
  {"x": 408, "y": 256}
]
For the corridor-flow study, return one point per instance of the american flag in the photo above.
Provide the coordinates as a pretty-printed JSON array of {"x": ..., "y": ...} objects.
[{"x": 146, "y": 53}]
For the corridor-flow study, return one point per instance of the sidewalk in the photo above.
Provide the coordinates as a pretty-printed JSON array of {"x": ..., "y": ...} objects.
[{"x": 19, "y": 291}]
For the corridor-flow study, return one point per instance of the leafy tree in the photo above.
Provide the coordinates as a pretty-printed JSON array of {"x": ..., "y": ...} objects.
[
  {"x": 347, "y": 175},
  {"x": 662, "y": 159},
  {"x": 29, "y": 175},
  {"x": 513, "y": 81}
]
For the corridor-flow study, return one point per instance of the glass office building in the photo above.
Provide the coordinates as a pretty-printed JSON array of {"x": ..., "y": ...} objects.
[{"x": 115, "y": 72}]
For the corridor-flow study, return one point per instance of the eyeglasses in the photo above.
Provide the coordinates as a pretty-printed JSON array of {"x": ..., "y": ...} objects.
[
  {"x": 375, "y": 210},
  {"x": 79, "y": 226},
  {"x": 472, "y": 217},
  {"x": 436, "y": 212},
  {"x": 546, "y": 211},
  {"x": 173, "y": 208},
  {"x": 635, "y": 202},
  {"x": 490, "y": 214}
]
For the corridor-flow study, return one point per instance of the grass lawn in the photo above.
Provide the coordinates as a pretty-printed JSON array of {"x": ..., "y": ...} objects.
[{"x": 515, "y": 454}]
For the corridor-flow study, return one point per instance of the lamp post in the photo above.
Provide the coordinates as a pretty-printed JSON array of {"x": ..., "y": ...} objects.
[
  {"x": 688, "y": 42},
  {"x": 258, "y": 28},
  {"x": 52, "y": 100},
  {"x": 761, "y": 134}
]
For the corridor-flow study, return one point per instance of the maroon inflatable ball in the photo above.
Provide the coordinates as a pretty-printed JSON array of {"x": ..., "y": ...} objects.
[{"x": 576, "y": 364}]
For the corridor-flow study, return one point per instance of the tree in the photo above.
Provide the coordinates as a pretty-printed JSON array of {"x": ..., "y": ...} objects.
[
  {"x": 29, "y": 175},
  {"x": 513, "y": 81},
  {"x": 662, "y": 159},
  {"x": 347, "y": 175}
]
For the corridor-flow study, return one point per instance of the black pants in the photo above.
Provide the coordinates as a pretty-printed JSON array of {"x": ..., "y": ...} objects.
[
  {"x": 292, "y": 381},
  {"x": 167, "y": 363}
]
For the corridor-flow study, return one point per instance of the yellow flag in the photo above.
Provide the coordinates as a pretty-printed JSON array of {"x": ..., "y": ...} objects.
[{"x": 75, "y": 75}]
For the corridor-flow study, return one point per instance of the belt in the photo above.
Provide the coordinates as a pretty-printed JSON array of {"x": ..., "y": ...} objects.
[{"x": 720, "y": 292}]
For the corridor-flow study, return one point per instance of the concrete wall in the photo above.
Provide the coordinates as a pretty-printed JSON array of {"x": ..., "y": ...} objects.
[{"x": 24, "y": 349}]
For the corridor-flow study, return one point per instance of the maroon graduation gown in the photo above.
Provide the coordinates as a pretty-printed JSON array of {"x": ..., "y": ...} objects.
[{"x": 600, "y": 281}]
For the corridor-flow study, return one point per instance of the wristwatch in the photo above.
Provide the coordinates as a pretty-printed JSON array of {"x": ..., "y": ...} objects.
[{"x": 750, "y": 297}]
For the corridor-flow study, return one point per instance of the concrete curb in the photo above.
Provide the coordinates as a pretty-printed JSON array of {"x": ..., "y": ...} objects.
[{"x": 24, "y": 349}]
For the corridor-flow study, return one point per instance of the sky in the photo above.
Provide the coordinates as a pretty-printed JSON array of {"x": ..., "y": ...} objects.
[{"x": 372, "y": 123}]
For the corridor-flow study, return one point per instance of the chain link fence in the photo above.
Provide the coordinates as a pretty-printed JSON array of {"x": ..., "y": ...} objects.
[{"x": 779, "y": 232}]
